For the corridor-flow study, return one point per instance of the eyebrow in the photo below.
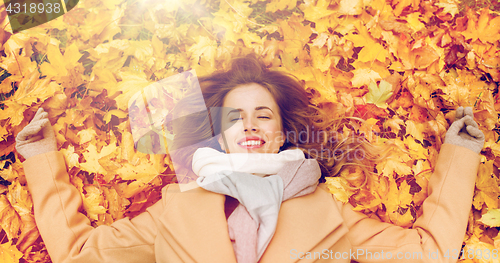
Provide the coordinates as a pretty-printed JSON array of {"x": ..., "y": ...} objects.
[{"x": 256, "y": 108}]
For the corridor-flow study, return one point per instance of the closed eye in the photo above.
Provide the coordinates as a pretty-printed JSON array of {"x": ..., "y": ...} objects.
[{"x": 264, "y": 117}]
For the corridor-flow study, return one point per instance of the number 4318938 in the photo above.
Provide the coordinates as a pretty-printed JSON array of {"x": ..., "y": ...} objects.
[{"x": 33, "y": 8}]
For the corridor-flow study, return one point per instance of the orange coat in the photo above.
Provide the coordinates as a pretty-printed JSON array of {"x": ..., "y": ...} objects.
[{"x": 191, "y": 226}]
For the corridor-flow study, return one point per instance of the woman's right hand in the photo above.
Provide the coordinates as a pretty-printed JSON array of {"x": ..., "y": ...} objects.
[{"x": 37, "y": 137}]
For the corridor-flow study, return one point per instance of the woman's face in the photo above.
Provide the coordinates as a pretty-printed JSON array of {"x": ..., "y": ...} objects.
[{"x": 253, "y": 119}]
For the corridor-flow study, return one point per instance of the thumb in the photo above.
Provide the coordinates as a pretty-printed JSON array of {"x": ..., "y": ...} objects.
[
  {"x": 475, "y": 132},
  {"x": 469, "y": 121}
]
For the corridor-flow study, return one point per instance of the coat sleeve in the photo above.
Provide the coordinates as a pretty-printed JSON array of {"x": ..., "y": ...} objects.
[
  {"x": 68, "y": 235},
  {"x": 438, "y": 233}
]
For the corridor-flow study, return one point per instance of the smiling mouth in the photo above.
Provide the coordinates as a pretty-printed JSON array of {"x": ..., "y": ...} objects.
[{"x": 252, "y": 143}]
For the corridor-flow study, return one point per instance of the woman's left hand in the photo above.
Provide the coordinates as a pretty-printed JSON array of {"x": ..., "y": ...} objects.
[{"x": 464, "y": 131}]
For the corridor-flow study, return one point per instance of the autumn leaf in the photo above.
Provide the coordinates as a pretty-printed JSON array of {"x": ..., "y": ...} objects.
[
  {"x": 10, "y": 221},
  {"x": 449, "y": 6},
  {"x": 491, "y": 218},
  {"x": 475, "y": 244},
  {"x": 92, "y": 157},
  {"x": 93, "y": 201},
  {"x": 9, "y": 253},
  {"x": 339, "y": 187},
  {"x": 399, "y": 198},
  {"x": 379, "y": 95},
  {"x": 485, "y": 28},
  {"x": 276, "y": 5},
  {"x": 364, "y": 77}
]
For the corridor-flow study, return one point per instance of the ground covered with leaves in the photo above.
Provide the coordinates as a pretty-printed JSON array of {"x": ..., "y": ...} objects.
[{"x": 403, "y": 66}]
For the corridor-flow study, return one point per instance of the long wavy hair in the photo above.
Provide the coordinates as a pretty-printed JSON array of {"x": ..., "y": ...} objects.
[{"x": 305, "y": 125}]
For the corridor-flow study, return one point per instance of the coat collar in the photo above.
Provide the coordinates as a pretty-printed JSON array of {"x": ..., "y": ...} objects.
[{"x": 194, "y": 224}]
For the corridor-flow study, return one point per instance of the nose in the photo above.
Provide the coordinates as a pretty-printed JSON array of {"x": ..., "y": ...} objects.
[{"x": 250, "y": 125}]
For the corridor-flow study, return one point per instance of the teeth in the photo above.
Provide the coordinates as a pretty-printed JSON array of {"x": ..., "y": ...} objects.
[{"x": 251, "y": 143}]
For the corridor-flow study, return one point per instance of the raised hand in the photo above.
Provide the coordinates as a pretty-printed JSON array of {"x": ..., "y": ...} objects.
[
  {"x": 464, "y": 131},
  {"x": 37, "y": 137}
]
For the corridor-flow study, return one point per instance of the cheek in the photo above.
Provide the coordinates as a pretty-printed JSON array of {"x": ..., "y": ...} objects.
[
  {"x": 274, "y": 132},
  {"x": 231, "y": 132}
]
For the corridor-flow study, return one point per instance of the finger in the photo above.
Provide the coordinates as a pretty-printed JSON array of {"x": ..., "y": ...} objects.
[
  {"x": 31, "y": 130},
  {"x": 459, "y": 113},
  {"x": 31, "y": 139},
  {"x": 469, "y": 121},
  {"x": 475, "y": 132},
  {"x": 40, "y": 114},
  {"x": 468, "y": 112},
  {"x": 47, "y": 129},
  {"x": 456, "y": 126}
]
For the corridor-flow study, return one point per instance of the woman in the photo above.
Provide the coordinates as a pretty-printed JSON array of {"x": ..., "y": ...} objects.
[{"x": 271, "y": 209}]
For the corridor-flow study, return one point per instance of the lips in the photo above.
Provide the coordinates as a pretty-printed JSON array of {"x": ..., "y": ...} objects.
[{"x": 251, "y": 142}]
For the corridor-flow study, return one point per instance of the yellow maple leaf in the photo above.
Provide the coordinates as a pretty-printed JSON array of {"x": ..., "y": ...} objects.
[
  {"x": 350, "y": 7},
  {"x": 394, "y": 123},
  {"x": 56, "y": 66},
  {"x": 92, "y": 157},
  {"x": 364, "y": 76},
  {"x": 92, "y": 202},
  {"x": 449, "y": 6},
  {"x": 414, "y": 21},
  {"x": 33, "y": 89},
  {"x": 13, "y": 111},
  {"x": 118, "y": 113},
  {"x": 491, "y": 218},
  {"x": 378, "y": 95},
  {"x": 11, "y": 173},
  {"x": 9, "y": 253},
  {"x": 389, "y": 166},
  {"x": 473, "y": 245},
  {"x": 314, "y": 10},
  {"x": 86, "y": 135},
  {"x": 132, "y": 82},
  {"x": 369, "y": 201},
  {"x": 142, "y": 50},
  {"x": 70, "y": 156},
  {"x": 415, "y": 129},
  {"x": 322, "y": 83},
  {"x": 9, "y": 219},
  {"x": 485, "y": 29},
  {"x": 20, "y": 199},
  {"x": 204, "y": 47},
  {"x": 295, "y": 35},
  {"x": 116, "y": 203},
  {"x": 487, "y": 184},
  {"x": 373, "y": 51},
  {"x": 417, "y": 151},
  {"x": 276, "y": 5},
  {"x": 397, "y": 199},
  {"x": 321, "y": 59},
  {"x": 3, "y": 133},
  {"x": 402, "y": 4},
  {"x": 339, "y": 187},
  {"x": 137, "y": 172}
]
